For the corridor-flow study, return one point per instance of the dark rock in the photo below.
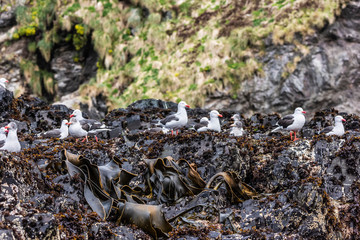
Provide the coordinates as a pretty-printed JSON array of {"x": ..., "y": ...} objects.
[
  {"x": 116, "y": 132},
  {"x": 153, "y": 103},
  {"x": 6, "y": 98},
  {"x": 326, "y": 77},
  {"x": 306, "y": 189},
  {"x": 133, "y": 122},
  {"x": 66, "y": 72},
  {"x": 7, "y": 19}
]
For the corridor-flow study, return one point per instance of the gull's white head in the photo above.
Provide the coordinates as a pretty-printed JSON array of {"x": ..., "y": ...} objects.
[
  {"x": 183, "y": 104},
  {"x": 3, "y": 81},
  {"x": 77, "y": 114},
  {"x": 215, "y": 114},
  {"x": 339, "y": 119},
  {"x": 299, "y": 110}
]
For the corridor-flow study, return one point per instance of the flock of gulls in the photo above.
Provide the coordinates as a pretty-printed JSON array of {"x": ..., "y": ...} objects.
[{"x": 80, "y": 127}]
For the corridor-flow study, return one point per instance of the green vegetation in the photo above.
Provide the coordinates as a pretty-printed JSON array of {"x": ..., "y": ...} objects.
[{"x": 171, "y": 50}]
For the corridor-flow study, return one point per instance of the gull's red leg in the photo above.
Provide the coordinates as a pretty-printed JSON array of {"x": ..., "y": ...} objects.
[{"x": 295, "y": 137}]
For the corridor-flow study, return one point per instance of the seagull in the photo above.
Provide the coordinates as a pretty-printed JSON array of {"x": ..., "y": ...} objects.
[
  {"x": 61, "y": 132},
  {"x": 177, "y": 120},
  {"x": 3, "y": 81},
  {"x": 204, "y": 121},
  {"x": 292, "y": 122},
  {"x": 338, "y": 129},
  {"x": 86, "y": 124},
  {"x": 237, "y": 127},
  {"x": 12, "y": 143},
  {"x": 213, "y": 124},
  {"x": 76, "y": 130},
  {"x": 3, "y": 132}
]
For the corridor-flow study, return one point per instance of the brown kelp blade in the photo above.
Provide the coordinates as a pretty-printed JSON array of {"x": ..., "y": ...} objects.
[
  {"x": 102, "y": 208},
  {"x": 148, "y": 217},
  {"x": 237, "y": 190}
]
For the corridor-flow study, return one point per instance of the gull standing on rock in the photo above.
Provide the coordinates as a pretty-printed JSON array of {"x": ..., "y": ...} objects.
[
  {"x": 213, "y": 124},
  {"x": 177, "y": 120},
  {"x": 61, "y": 132},
  {"x": 86, "y": 124},
  {"x": 237, "y": 127},
  {"x": 12, "y": 143},
  {"x": 338, "y": 129},
  {"x": 2, "y": 82},
  {"x": 76, "y": 130},
  {"x": 292, "y": 122}
]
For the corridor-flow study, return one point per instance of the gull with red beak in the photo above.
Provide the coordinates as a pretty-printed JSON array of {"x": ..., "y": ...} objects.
[
  {"x": 292, "y": 122},
  {"x": 76, "y": 130},
  {"x": 338, "y": 129},
  {"x": 86, "y": 124},
  {"x": 12, "y": 143},
  {"x": 3, "y": 81},
  {"x": 213, "y": 124},
  {"x": 177, "y": 120},
  {"x": 61, "y": 132}
]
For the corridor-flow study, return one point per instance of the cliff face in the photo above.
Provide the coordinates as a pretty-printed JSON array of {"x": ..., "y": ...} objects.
[
  {"x": 241, "y": 55},
  {"x": 325, "y": 77}
]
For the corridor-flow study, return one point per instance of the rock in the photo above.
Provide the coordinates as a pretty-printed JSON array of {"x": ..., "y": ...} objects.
[
  {"x": 305, "y": 189},
  {"x": 7, "y": 19},
  {"x": 153, "y": 103},
  {"x": 66, "y": 72},
  {"x": 326, "y": 77},
  {"x": 6, "y": 98}
]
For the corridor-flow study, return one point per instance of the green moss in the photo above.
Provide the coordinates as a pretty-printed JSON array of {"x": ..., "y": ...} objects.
[{"x": 189, "y": 48}]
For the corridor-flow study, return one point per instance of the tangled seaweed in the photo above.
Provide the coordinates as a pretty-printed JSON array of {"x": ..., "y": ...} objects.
[{"x": 107, "y": 187}]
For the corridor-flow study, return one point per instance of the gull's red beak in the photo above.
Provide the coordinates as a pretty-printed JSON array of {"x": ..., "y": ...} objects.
[
  {"x": 6, "y": 127},
  {"x": 220, "y": 115},
  {"x": 303, "y": 112},
  {"x": 188, "y": 106},
  {"x": 68, "y": 123},
  {"x": 72, "y": 115},
  {"x": 6, "y": 81},
  {"x": 343, "y": 120}
]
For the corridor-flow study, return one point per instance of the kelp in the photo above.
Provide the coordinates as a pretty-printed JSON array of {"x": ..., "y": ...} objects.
[
  {"x": 148, "y": 217},
  {"x": 237, "y": 191},
  {"x": 102, "y": 183},
  {"x": 169, "y": 182},
  {"x": 104, "y": 190},
  {"x": 107, "y": 187}
]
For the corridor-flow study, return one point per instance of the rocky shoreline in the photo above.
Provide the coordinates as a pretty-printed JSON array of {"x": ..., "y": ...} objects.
[{"x": 272, "y": 188}]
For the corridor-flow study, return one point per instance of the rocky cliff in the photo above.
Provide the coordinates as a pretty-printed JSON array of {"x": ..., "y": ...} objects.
[
  {"x": 239, "y": 55},
  {"x": 192, "y": 185}
]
